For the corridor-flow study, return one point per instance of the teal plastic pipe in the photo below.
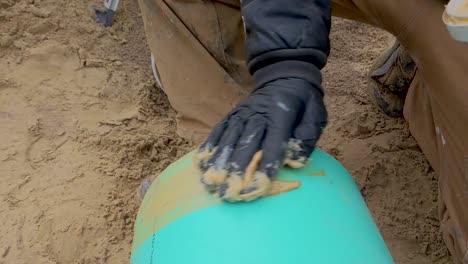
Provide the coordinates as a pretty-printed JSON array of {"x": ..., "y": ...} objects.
[{"x": 325, "y": 221}]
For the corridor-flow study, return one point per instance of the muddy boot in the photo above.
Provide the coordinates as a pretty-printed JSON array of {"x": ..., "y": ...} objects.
[{"x": 389, "y": 79}]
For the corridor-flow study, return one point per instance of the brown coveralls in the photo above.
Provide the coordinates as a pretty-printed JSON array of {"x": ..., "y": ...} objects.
[{"x": 199, "y": 51}]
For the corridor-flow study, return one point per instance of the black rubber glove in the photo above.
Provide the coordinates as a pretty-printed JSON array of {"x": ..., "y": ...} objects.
[
  {"x": 283, "y": 119},
  {"x": 286, "y": 46}
]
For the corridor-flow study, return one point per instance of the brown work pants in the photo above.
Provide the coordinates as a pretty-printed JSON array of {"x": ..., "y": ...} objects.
[{"x": 199, "y": 53}]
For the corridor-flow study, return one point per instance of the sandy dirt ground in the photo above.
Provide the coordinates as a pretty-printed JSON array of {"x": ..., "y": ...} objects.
[{"x": 82, "y": 123}]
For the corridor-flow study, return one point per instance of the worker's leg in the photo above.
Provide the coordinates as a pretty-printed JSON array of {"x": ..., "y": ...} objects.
[
  {"x": 442, "y": 90},
  {"x": 436, "y": 104},
  {"x": 199, "y": 53},
  {"x": 447, "y": 155},
  {"x": 347, "y": 9}
]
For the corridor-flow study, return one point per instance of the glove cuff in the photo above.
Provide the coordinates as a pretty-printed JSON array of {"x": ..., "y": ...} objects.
[
  {"x": 313, "y": 56},
  {"x": 289, "y": 69}
]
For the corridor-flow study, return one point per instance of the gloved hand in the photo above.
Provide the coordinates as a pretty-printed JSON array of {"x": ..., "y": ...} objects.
[{"x": 280, "y": 122}]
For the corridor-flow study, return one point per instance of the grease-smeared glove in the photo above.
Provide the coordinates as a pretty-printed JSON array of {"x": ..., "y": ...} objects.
[{"x": 279, "y": 123}]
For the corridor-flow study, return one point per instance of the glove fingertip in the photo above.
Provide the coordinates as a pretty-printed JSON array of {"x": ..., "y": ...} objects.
[
  {"x": 229, "y": 190},
  {"x": 258, "y": 187},
  {"x": 202, "y": 156},
  {"x": 298, "y": 152}
]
